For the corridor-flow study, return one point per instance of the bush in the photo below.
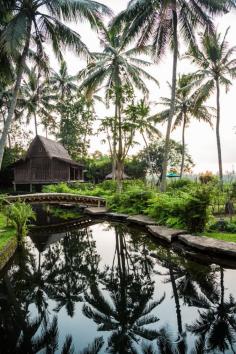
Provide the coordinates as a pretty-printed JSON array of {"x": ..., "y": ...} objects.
[
  {"x": 183, "y": 210},
  {"x": 196, "y": 213},
  {"x": 167, "y": 209},
  {"x": 132, "y": 201},
  {"x": 223, "y": 226},
  {"x": 19, "y": 214},
  {"x": 233, "y": 189},
  {"x": 182, "y": 183},
  {"x": 207, "y": 177}
]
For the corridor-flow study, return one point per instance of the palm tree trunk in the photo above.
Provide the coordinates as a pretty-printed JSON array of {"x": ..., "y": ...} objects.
[
  {"x": 183, "y": 147},
  {"x": 114, "y": 144},
  {"x": 15, "y": 93},
  {"x": 218, "y": 132},
  {"x": 120, "y": 164},
  {"x": 8, "y": 135},
  {"x": 172, "y": 105},
  {"x": 149, "y": 157},
  {"x": 35, "y": 124}
]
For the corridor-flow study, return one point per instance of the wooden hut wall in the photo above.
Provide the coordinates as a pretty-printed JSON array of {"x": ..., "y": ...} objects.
[
  {"x": 40, "y": 169},
  {"x": 61, "y": 170},
  {"x": 22, "y": 172}
]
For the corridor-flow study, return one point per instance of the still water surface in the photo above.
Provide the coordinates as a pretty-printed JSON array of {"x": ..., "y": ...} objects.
[{"x": 109, "y": 288}]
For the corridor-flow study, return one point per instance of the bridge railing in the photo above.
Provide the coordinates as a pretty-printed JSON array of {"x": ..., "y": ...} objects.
[{"x": 58, "y": 198}]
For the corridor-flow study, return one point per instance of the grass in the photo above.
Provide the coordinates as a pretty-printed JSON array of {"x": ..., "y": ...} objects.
[
  {"x": 221, "y": 236},
  {"x": 6, "y": 232}
]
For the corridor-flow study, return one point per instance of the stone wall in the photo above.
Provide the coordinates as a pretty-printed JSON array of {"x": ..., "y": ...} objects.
[{"x": 7, "y": 252}]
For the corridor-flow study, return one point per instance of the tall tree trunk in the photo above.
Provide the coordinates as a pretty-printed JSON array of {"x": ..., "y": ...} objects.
[
  {"x": 120, "y": 163},
  {"x": 15, "y": 93},
  {"x": 149, "y": 157},
  {"x": 35, "y": 124},
  {"x": 218, "y": 132},
  {"x": 183, "y": 147},
  {"x": 173, "y": 94},
  {"x": 114, "y": 168},
  {"x": 8, "y": 135}
]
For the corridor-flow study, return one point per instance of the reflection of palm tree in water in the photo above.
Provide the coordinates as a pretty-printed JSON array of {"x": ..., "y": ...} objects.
[
  {"x": 129, "y": 308},
  {"x": 70, "y": 264},
  {"x": 18, "y": 334},
  {"x": 168, "y": 259},
  {"x": 216, "y": 326}
]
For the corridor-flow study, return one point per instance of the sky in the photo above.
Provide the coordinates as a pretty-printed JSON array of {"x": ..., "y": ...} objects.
[{"x": 200, "y": 138}]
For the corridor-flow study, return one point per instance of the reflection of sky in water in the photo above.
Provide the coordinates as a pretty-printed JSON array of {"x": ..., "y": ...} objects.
[{"x": 84, "y": 330}]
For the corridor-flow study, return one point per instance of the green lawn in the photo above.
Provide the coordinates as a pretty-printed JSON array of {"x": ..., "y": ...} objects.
[
  {"x": 221, "y": 236},
  {"x": 6, "y": 232}
]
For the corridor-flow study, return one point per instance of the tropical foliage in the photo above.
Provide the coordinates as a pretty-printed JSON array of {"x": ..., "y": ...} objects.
[
  {"x": 18, "y": 215},
  {"x": 217, "y": 66}
]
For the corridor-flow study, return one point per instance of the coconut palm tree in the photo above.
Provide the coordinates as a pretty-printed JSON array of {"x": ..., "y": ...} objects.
[
  {"x": 62, "y": 82},
  {"x": 34, "y": 98},
  {"x": 217, "y": 65},
  {"x": 161, "y": 23},
  {"x": 44, "y": 21},
  {"x": 143, "y": 123},
  {"x": 118, "y": 70},
  {"x": 189, "y": 103}
]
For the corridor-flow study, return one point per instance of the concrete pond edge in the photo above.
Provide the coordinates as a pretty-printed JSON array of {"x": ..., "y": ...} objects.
[
  {"x": 171, "y": 236},
  {"x": 7, "y": 252}
]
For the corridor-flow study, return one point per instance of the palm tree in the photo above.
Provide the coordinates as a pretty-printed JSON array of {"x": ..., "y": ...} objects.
[
  {"x": 62, "y": 82},
  {"x": 189, "y": 104},
  {"x": 43, "y": 21},
  {"x": 34, "y": 99},
  {"x": 160, "y": 22},
  {"x": 216, "y": 67},
  {"x": 118, "y": 70},
  {"x": 144, "y": 123}
]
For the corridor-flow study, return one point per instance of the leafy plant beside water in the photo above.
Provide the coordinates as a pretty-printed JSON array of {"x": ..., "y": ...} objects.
[
  {"x": 185, "y": 205},
  {"x": 19, "y": 215},
  {"x": 182, "y": 210},
  {"x": 133, "y": 201}
]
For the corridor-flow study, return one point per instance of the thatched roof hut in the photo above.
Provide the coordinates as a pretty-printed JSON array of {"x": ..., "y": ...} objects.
[{"x": 46, "y": 161}]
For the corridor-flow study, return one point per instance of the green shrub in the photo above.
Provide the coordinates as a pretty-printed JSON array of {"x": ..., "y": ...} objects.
[
  {"x": 223, "y": 226},
  {"x": 207, "y": 177},
  {"x": 167, "y": 209},
  {"x": 233, "y": 189},
  {"x": 57, "y": 188},
  {"x": 182, "y": 210},
  {"x": 132, "y": 201},
  {"x": 182, "y": 183},
  {"x": 196, "y": 213},
  {"x": 18, "y": 215}
]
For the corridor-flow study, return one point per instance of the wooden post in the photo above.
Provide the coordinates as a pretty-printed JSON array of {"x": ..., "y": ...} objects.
[
  {"x": 31, "y": 188},
  {"x": 14, "y": 186}
]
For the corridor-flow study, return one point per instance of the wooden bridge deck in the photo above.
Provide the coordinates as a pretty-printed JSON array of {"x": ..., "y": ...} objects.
[{"x": 56, "y": 198}]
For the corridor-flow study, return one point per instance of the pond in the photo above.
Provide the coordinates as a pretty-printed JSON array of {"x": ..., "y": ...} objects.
[{"x": 105, "y": 287}]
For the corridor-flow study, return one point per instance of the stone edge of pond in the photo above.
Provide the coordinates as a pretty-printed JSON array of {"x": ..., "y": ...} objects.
[
  {"x": 201, "y": 244},
  {"x": 7, "y": 252}
]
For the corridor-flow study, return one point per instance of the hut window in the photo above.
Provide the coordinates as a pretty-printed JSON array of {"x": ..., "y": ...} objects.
[{"x": 40, "y": 149}]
